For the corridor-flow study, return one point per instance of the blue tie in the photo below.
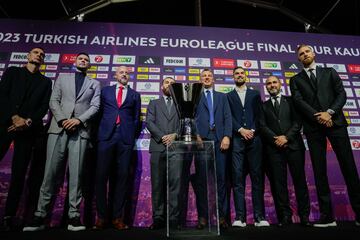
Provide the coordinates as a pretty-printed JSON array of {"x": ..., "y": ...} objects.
[{"x": 210, "y": 106}]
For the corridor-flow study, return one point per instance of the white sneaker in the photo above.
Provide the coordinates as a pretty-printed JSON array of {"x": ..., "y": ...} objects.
[
  {"x": 33, "y": 228},
  {"x": 239, "y": 223},
  {"x": 262, "y": 223},
  {"x": 357, "y": 223}
]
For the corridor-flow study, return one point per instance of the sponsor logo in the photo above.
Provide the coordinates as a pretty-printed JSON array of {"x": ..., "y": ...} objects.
[
  {"x": 194, "y": 78},
  {"x": 254, "y": 80},
  {"x": 344, "y": 76},
  {"x": 354, "y": 68},
  {"x": 50, "y": 74},
  {"x": 292, "y": 66},
  {"x": 355, "y": 120},
  {"x": 229, "y": 72},
  {"x": 102, "y": 75},
  {"x": 154, "y": 77},
  {"x": 219, "y": 72},
  {"x": 14, "y": 65},
  {"x": 124, "y": 59},
  {"x": 353, "y": 113},
  {"x": 99, "y": 59},
  {"x": 143, "y": 110},
  {"x": 66, "y": 67},
  {"x": 167, "y": 75},
  {"x": 142, "y": 77},
  {"x": 289, "y": 74},
  {"x": 194, "y": 71},
  {"x": 4, "y": 56},
  {"x": 68, "y": 58},
  {"x": 142, "y": 144},
  {"x": 1, "y": 73},
  {"x": 254, "y": 73},
  {"x": 267, "y": 73},
  {"x": 248, "y": 64},
  {"x": 199, "y": 62},
  {"x": 357, "y": 84},
  {"x": 2, "y": 65},
  {"x": 346, "y": 83},
  {"x": 225, "y": 88},
  {"x": 219, "y": 79},
  {"x": 180, "y": 70},
  {"x": 350, "y": 104},
  {"x": 52, "y": 58},
  {"x": 180, "y": 77},
  {"x": 168, "y": 70},
  {"x": 18, "y": 57},
  {"x": 338, "y": 67},
  {"x": 270, "y": 65},
  {"x": 92, "y": 75},
  {"x": 149, "y": 60},
  {"x": 143, "y": 69},
  {"x": 92, "y": 68},
  {"x": 154, "y": 70},
  {"x": 102, "y": 68},
  {"x": 278, "y": 74},
  {"x": 145, "y": 99},
  {"x": 223, "y": 63},
  {"x": 148, "y": 86},
  {"x": 353, "y": 131},
  {"x": 229, "y": 79},
  {"x": 349, "y": 92},
  {"x": 357, "y": 92},
  {"x": 355, "y": 144},
  {"x": 355, "y": 77},
  {"x": 174, "y": 61}
]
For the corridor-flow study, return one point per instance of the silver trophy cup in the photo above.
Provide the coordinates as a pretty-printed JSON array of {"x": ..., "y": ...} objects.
[{"x": 186, "y": 98}]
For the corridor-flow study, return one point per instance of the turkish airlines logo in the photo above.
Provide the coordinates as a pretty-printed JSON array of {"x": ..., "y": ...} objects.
[
  {"x": 248, "y": 64},
  {"x": 100, "y": 59},
  {"x": 68, "y": 58},
  {"x": 223, "y": 63}
]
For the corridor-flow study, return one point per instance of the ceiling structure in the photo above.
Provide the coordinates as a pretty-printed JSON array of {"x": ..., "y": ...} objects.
[{"x": 319, "y": 16}]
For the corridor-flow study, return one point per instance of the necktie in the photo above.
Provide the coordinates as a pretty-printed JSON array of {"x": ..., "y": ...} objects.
[
  {"x": 276, "y": 105},
  {"x": 211, "y": 110},
  {"x": 313, "y": 77},
  {"x": 168, "y": 104},
  {"x": 119, "y": 102}
]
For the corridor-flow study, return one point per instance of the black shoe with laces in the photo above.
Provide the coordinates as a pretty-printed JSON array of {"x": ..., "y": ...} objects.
[
  {"x": 36, "y": 224},
  {"x": 74, "y": 224}
]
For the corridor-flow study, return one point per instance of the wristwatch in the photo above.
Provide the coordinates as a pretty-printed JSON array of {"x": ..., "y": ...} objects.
[
  {"x": 28, "y": 122},
  {"x": 330, "y": 111}
]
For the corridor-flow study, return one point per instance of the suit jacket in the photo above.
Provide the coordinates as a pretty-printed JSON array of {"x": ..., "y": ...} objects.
[
  {"x": 159, "y": 122},
  {"x": 244, "y": 116},
  {"x": 15, "y": 100},
  {"x": 287, "y": 123},
  {"x": 329, "y": 93},
  {"x": 129, "y": 113},
  {"x": 64, "y": 104},
  {"x": 222, "y": 116}
]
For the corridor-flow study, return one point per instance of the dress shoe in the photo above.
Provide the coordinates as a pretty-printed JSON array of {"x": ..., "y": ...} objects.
[
  {"x": 157, "y": 225},
  {"x": 7, "y": 224},
  {"x": 99, "y": 224},
  {"x": 119, "y": 224},
  {"x": 202, "y": 222},
  {"x": 223, "y": 224}
]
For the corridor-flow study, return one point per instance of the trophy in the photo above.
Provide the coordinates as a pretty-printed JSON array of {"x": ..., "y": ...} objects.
[{"x": 186, "y": 97}]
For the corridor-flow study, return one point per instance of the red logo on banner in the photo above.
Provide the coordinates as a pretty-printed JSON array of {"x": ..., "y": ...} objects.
[
  {"x": 354, "y": 68},
  {"x": 68, "y": 58},
  {"x": 98, "y": 59},
  {"x": 223, "y": 63},
  {"x": 247, "y": 64},
  {"x": 356, "y": 144}
]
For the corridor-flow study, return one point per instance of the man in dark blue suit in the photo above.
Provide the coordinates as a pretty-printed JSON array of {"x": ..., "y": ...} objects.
[
  {"x": 118, "y": 129},
  {"x": 245, "y": 106},
  {"x": 214, "y": 123}
]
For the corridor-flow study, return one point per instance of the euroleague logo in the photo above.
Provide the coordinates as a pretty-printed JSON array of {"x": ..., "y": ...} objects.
[{"x": 98, "y": 59}]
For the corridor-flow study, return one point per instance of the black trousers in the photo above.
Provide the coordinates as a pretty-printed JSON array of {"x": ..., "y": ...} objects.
[{"x": 340, "y": 143}]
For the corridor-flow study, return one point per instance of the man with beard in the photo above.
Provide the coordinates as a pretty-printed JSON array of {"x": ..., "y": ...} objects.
[
  {"x": 24, "y": 100},
  {"x": 245, "y": 106},
  {"x": 74, "y": 102},
  {"x": 119, "y": 127},
  {"x": 319, "y": 96},
  {"x": 163, "y": 122},
  {"x": 284, "y": 146}
]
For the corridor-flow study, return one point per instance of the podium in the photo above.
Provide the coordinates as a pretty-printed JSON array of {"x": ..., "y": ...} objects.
[{"x": 191, "y": 166}]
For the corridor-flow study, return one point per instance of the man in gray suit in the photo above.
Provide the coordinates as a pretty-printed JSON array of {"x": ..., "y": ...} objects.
[
  {"x": 74, "y": 101},
  {"x": 163, "y": 123}
]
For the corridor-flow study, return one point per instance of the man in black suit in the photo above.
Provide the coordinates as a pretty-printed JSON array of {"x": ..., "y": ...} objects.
[
  {"x": 163, "y": 123},
  {"x": 24, "y": 101},
  {"x": 319, "y": 96},
  {"x": 283, "y": 145}
]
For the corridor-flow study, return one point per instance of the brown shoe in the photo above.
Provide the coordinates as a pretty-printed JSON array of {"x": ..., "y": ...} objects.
[
  {"x": 202, "y": 222},
  {"x": 100, "y": 224},
  {"x": 119, "y": 224},
  {"x": 223, "y": 224}
]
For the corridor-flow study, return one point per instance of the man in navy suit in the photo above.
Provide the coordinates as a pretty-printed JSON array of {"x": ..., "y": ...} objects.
[
  {"x": 319, "y": 96},
  {"x": 245, "y": 106},
  {"x": 118, "y": 129},
  {"x": 214, "y": 123}
]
